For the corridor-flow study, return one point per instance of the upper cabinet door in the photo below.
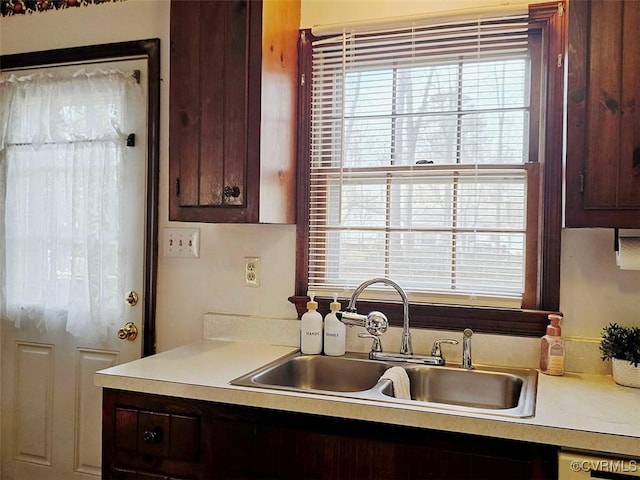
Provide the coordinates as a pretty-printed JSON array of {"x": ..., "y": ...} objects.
[
  {"x": 603, "y": 123},
  {"x": 221, "y": 166}
]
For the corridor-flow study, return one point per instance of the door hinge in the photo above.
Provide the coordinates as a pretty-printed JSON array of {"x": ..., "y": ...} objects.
[
  {"x": 581, "y": 182},
  {"x": 177, "y": 187},
  {"x": 559, "y": 60},
  {"x": 136, "y": 75},
  {"x": 303, "y": 80},
  {"x": 131, "y": 140},
  {"x": 560, "y": 9}
]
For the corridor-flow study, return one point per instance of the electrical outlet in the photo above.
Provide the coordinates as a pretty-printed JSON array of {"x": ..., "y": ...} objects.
[
  {"x": 182, "y": 242},
  {"x": 252, "y": 271}
]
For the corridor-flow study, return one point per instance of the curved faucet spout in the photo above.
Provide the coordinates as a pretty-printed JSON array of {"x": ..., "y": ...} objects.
[{"x": 405, "y": 345}]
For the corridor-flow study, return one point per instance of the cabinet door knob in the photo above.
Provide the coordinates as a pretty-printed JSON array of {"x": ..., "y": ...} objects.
[
  {"x": 230, "y": 191},
  {"x": 152, "y": 436}
]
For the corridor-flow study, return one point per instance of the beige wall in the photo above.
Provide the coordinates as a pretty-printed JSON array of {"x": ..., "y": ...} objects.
[{"x": 593, "y": 292}]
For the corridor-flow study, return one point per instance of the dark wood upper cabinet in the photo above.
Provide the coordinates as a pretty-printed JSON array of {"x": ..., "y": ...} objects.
[
  {"x": 603, "y": 123},
  {"x": 232, "y": 110}
]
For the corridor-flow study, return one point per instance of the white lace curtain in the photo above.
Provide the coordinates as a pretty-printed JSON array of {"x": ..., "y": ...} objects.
[{"x": 63, "y": 203}]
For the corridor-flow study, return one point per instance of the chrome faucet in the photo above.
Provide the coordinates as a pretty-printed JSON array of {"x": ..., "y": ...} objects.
[
  {"x": 466, "y": 349},
  {"x": 376, "y": 323},
  {"x": 405, "y": 344}
]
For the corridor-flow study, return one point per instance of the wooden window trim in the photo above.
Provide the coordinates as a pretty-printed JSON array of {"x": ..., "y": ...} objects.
[{"x": 548, "y": 20}]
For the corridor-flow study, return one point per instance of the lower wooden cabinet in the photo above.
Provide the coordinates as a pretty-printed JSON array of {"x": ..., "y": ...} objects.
[{"x": 154, "y": 437}]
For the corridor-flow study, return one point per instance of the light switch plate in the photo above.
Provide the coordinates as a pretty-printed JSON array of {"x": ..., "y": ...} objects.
[{"x": 181, "y": 242}]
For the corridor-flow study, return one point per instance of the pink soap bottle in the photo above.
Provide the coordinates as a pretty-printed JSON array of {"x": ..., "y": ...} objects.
[{"x": 552, "y": 348}]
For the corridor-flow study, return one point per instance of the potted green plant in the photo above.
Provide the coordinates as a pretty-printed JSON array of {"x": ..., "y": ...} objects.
[{"x": 622, "y": 346}]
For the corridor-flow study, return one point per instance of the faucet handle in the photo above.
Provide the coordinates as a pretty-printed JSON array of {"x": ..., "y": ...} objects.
[
  {"x": 436, "y": 351},
  {"x": 377, "y": 343}
]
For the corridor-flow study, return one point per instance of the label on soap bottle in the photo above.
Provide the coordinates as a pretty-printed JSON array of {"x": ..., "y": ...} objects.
[
  {"x": 552, "y": 356},
  {"x": 556, "y": 365}
]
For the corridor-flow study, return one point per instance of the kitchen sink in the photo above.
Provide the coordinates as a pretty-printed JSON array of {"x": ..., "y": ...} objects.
[
  {"x": 479, "y": 388},
  {"x": 317, "y": 373},
  {"x": 486, "y": 390}
]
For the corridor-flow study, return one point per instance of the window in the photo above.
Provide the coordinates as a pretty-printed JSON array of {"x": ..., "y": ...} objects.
[
  {"x": 424, "y": 165},
  {"x": 68, "y": 214}
]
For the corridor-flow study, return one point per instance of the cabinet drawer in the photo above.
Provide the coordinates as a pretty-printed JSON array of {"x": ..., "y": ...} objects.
[{"x": 157, "y": 434}]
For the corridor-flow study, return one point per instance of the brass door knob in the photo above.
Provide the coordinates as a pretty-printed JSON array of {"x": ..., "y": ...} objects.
[{"x": 128, "y": 332}]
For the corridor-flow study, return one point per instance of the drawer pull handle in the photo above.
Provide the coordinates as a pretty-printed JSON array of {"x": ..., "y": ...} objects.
[{"x": 152, "y": 436}]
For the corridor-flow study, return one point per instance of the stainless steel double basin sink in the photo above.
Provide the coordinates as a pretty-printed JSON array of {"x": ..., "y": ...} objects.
[{"x": 485, "y": 390}]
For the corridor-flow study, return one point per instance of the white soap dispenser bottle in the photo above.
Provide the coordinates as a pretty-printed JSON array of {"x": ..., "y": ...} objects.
[
  {"x": 311, "y": 328},
  {"x": 334, "y": 331}
]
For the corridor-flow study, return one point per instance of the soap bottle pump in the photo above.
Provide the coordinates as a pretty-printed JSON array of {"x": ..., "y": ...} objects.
[
  {"x": 311, "y": 328},
  {"x": 334, "y": 331},
  {"x": 552, "y": 348}
]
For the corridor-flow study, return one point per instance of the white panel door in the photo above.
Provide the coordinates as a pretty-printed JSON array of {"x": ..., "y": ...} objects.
[{"x": 51, "y": 410}]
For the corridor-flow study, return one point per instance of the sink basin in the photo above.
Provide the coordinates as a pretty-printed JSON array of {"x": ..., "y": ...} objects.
[
  {"x": 318, "y": 373},
  {"x": 487, "y": 390},
  {"x": 478, "y": 388}
]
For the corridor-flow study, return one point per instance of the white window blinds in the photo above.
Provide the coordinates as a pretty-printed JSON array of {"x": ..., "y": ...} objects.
[{"x": 419, "y": 140}]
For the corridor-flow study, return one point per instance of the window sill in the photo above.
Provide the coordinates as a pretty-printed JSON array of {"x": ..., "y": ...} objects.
[{"x": 504, "y": 321}]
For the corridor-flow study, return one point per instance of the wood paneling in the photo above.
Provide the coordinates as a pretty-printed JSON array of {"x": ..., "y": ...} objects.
[
  {"x": 603, "y": 121},
  {"x": 232, "y": 111},
  {"x": 246, "y": 442}
]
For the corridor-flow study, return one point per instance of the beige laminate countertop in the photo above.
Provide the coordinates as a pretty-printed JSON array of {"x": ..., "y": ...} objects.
[{"x": 575, "y": 411}]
